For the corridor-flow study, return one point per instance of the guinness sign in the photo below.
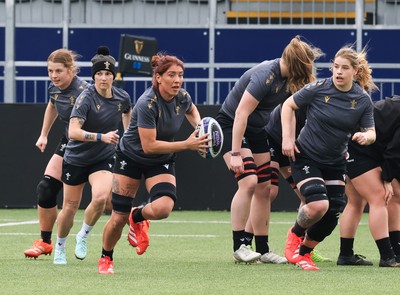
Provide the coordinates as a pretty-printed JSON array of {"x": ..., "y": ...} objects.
[{"x": 135, "y": 54}]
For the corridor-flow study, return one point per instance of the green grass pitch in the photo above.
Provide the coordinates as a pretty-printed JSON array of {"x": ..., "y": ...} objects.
[{"x": 189, "y": 253}]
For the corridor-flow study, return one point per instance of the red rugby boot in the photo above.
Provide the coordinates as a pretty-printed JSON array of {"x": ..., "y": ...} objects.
[
  {"x": 105, "y": 266},
  {"x": 292, "y": 246},
  {"x": 39, "y": 248},
  {"x": 306, "y": 263},
  {"x": 138, "y": 235}
]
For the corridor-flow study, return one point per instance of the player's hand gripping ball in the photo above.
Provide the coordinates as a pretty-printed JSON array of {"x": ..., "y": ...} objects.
[{"x": 210, "y": 126}]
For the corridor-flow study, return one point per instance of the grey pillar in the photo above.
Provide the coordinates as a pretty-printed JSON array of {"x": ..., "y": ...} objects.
[
  {"x": 211, "y": 51},
  {"x": 9, "y": 65},
  {"x": 65, "y": 22}
]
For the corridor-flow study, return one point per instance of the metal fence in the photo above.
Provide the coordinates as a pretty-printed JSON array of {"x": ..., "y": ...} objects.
[{"x": 34, "y": 89}]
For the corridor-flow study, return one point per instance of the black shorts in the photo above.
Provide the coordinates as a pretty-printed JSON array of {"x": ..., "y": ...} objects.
[
  {"x": 75, "y": 175},
  {"x": 359, "y": 162},
  {"x": 126, "y": 166},
  {"x": 62, "y": 144},
  {"x": 304, "y": 168},
  {"x": 275, "y": 150},
  {"x": 256, "y": 142}
]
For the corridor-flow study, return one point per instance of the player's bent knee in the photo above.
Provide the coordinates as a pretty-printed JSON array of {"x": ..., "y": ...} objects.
[
  {"x": 99, "y": 202},
  {"x": 163, "y": 189},
  {"x": 314, "y": 190},
  {"x": 337, "y": 201},
  {"x": 47, "y": 191},
  {"x": 324, "y": 227},
  {"x": 121, "y": 203},
  {"x": 161, "y": 212},
  {"x": 273, "y": 192}
]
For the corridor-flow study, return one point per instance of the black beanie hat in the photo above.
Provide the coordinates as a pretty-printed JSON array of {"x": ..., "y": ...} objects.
[{"x": 103, "y": 61}]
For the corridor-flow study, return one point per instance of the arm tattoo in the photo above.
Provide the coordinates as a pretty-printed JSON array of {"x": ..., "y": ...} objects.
[
  {"x": 80, "y": 121},
  {"x": 89, "y": 136}
]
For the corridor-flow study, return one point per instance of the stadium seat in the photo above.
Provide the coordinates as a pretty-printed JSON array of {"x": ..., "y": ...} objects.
[
  {"x": 204, "y": 1},
  {"x": 112, "y": 1},
  {"x": 19, "y": 1},
  {"x": 294, "y": 17},
  {"x": 159, "y": 1},
  {"x": 60, "y": 1},
  {"x": 296, "y": 12},
  {"x": 308, "y": 1}
]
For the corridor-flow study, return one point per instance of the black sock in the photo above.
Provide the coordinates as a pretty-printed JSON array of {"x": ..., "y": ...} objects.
[
  {"x": 238, "y": 239},
  {"x": 46, "y": 236},
  {"x": 261, "y": 244},
  {"x": 385, "y": 248},
  {"x": 305, "y": 250},
  {"x": 298, "y": 230},
  {"x": 346, "y": 246},
  {"x": 248, "y": 238},
  {"x": 105, "y": 253},
  {"x": 137, "y": 215},
  {"x": 395, "y": 241}
]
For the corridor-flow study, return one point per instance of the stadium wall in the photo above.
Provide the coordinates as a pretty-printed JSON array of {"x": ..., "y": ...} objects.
[
  {"x": 233, "y": 46},
  {"x": 192, "y": 44},
  {"x": 202, "y": 184}
]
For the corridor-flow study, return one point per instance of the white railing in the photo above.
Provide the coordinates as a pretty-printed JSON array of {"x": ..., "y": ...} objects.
[{"x": 34, "y": 89}]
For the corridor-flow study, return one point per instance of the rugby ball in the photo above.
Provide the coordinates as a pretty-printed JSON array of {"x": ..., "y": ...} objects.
[{"x": 210, "y": 126}]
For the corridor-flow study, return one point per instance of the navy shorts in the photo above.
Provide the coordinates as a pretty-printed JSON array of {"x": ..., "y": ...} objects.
[
  {"x": 256, "y": 142},
  {"x": 360, "y": 160},
  {"x": 275, "y": 150},
  {"x": 126, "y": 166},
  {"x": 75, "y": 175},
  {"x": 62, "y": 144},
  {"x": 304, "y": 168}
]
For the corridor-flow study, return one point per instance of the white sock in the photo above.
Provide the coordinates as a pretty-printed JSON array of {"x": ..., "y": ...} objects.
[
  {"x": 85, "y": 230},
  {"x": 60, "y": 244}
]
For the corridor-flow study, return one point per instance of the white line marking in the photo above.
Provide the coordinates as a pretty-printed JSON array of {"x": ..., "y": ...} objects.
[
  {"x": 157, "y": 221},
  {"x": 100, "y": 235},
  {"x": 183, "y": 236},
  {"x": 19, "y": 223}
]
